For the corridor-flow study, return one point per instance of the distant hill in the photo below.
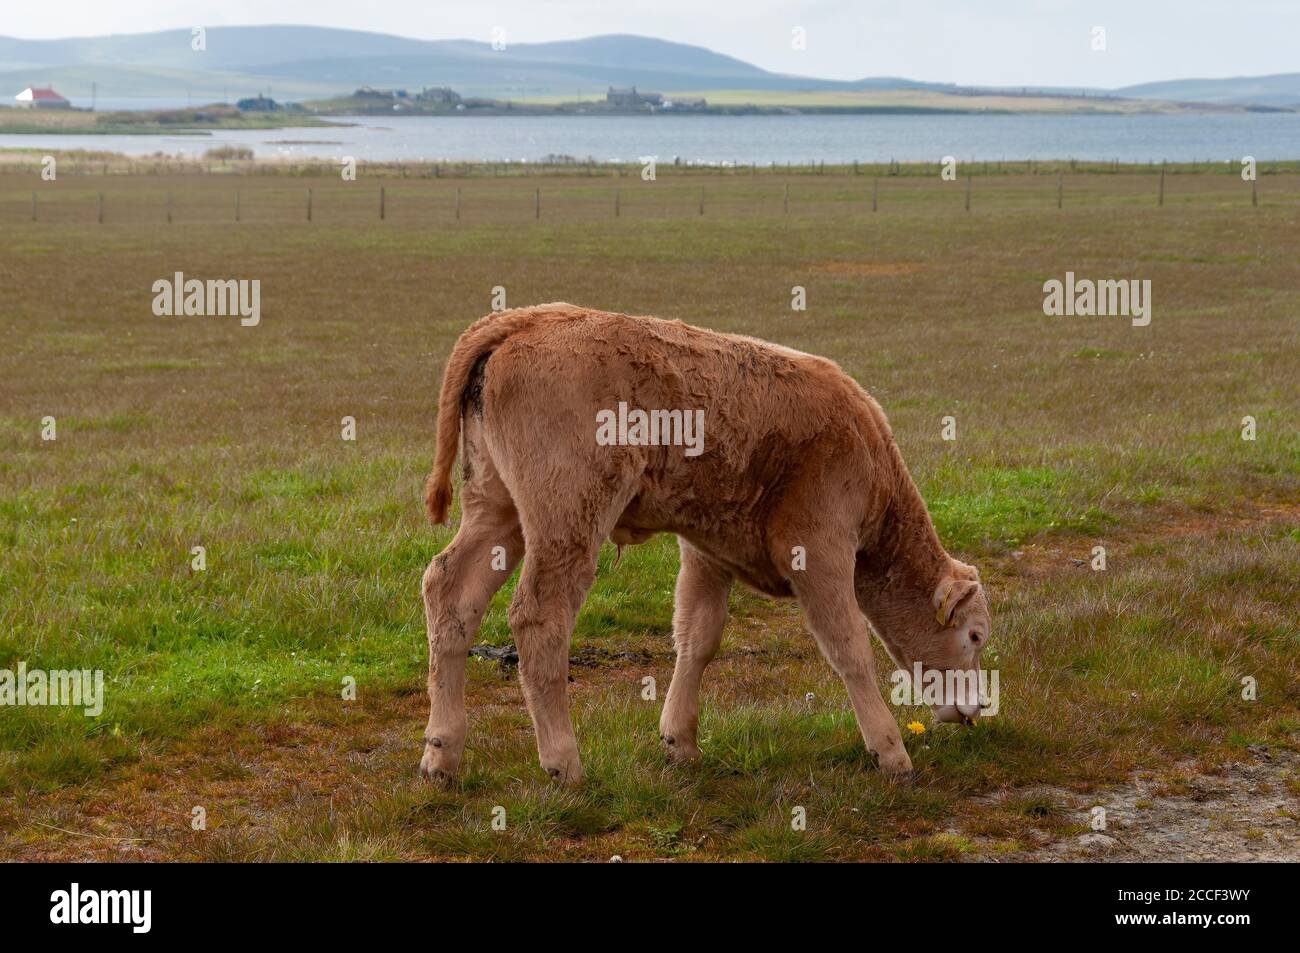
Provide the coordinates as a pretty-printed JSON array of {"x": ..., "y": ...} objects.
[
  {"x": 303, "y": 62},
  {"x": 1281, "y": 89},
  {"x": 310, "y": 62}
]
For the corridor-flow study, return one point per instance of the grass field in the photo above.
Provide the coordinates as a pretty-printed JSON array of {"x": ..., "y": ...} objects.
[{"x": 223, "y": 687}]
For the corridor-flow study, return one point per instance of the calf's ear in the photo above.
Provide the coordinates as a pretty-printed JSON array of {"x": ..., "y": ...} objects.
[{"x": 949, "y": 595}]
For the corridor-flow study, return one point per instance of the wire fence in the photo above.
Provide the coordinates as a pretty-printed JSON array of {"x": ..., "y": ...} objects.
[
  {"x": 185, "y": 199},
  {"x": 82, "y": 162}
]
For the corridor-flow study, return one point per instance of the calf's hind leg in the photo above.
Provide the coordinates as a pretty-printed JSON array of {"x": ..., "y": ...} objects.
[
  {"x": 563, "y": 536},
  {"x": 458, "y": 585},
  {"x": 699, "y": 612},
  {"x": 552, "y": 585}
]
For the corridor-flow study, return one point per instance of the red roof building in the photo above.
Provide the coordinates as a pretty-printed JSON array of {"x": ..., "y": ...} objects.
[{"x": 34, "y": 98}]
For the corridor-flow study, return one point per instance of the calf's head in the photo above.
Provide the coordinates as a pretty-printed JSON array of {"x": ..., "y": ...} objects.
[
  {"x": 938, "y": 633},
  {"x": 962, "y": 617}
]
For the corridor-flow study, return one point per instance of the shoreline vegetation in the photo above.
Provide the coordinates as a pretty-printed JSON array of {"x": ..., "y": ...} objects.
[
  {"x": 203, "y": 120},
  {"x": 198, "y": 121}
]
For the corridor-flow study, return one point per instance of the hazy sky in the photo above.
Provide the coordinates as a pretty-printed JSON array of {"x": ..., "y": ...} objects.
[{"x": 996, "y": 42}]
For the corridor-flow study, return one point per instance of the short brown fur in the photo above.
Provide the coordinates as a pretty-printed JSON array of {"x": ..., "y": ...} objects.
[{"x": 800, "y": 490}]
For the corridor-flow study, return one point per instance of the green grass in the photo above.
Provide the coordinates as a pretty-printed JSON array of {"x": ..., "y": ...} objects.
[{"x": 223, "y": 685}]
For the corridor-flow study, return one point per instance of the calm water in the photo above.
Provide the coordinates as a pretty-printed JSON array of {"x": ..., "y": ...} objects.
[{"x": 744, "y": 139}]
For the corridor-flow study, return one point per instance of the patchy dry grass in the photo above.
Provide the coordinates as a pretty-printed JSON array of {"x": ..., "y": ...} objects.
[{"x": 223, "y": 685}]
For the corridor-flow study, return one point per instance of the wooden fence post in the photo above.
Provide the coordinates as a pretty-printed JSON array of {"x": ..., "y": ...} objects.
[
  {"x": 101, "y": 208},
  {"x": 968, "y": 193},
  {"x": 1059, "y": 187},
  {"x": 309, "y": 205},
  {"x": 381, "y": 203},
  {"x": 537, "y": 203},
  {"x": 875, "y": 191}
]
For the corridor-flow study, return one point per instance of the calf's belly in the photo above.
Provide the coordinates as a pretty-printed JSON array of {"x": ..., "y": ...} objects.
[{"x": 737, "y": 545}]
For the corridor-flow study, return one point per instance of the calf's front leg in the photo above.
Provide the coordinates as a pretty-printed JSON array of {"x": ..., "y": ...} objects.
[{"x": 831, "y": 609}]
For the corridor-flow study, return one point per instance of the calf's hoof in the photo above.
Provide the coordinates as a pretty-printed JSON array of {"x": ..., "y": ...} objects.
[
  {"x": 570, "y": 778},
  {"x": 438, "y": 765},
  {"x": 681, "y": 750},
  {"x": 437, "y": 776},
  {"x": 896, "y": 765},
  {"x": 567, "y": 771}
]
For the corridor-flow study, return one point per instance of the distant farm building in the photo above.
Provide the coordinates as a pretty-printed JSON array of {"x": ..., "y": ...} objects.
[
  {"x": 438, "y": 94},
  {"x": 629, "y": 98},
  {"x": 688, "y": 104},
  {"x": 34, "y": 98},
  {"x": 369, "y": 92},
  {"x": 257, "y": 104}
]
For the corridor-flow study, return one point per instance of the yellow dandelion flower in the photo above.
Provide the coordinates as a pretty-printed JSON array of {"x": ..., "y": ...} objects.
[{"x": 916, "y": 728}]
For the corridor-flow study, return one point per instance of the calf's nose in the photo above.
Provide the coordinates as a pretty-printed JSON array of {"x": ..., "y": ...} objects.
[{"x": 948, "y": 714}]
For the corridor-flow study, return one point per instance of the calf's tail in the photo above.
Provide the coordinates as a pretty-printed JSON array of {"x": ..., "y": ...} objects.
[{"x": 477, "y": 341}]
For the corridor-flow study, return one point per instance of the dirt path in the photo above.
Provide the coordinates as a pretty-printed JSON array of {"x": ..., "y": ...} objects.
[{"x": 1247, "y": 811}]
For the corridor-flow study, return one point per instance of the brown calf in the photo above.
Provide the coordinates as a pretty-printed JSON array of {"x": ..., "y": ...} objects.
[{"x": 777, "y": 470}]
